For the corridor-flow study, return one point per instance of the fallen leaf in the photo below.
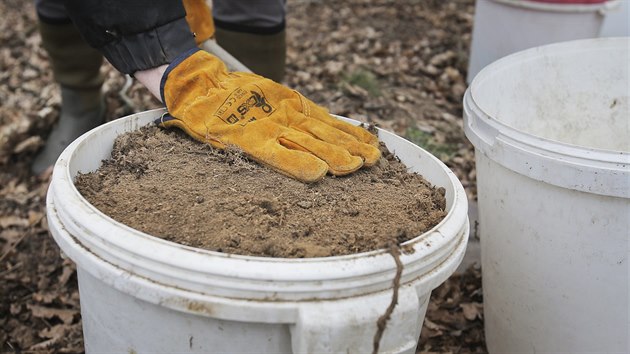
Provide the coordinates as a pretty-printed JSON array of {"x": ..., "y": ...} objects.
[
  {"x": 34, "y": 217},
  {"x": 44, "y": 345},
  {"x": 456, "y": 333},
  {"x": 30, "y": 144},
  {"x": 48, "y": 312},
  {"x": 11, "y": 220},
  {"x": 472, "y": 310},
  {"x": 45, "y": 297},
  {"x": 66, "y": 273},
  {"x": 15, "y": 309},
  {"x": 55, "y": 332},
  {"x": 10, "y": 236},
  {"x": 432, "y": 325}
]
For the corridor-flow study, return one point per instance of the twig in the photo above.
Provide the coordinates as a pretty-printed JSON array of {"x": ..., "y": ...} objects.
[
  {"x": 381, "y": 323},
  {"x": 12, "y": 248},
  {"x": 11, "y": 269}
]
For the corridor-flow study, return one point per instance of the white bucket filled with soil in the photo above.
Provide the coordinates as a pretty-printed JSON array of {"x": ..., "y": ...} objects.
[
  {"x": 503, "y": 27},
  {"x": 550, "y": 126},
  {"x": 140, "y": 293}
]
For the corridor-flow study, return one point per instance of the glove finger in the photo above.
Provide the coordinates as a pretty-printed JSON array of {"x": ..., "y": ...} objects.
[
  {"x": 321, "y": 114},
  {"x": 332, "y": 135},
  {"x": 199, "y": 18},
  {"x": 340, "y": 162},
  {"x": 294, "y": 163},
  {"x": 168, "y": 121}
]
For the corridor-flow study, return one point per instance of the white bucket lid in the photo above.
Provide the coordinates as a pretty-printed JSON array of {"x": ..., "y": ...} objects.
[{"x": 521, "y": 110}]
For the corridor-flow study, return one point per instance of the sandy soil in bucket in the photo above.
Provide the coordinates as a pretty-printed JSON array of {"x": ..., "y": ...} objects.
[{"x": 170, "y": 186}]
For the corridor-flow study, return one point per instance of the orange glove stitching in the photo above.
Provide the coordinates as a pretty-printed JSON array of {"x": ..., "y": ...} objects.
[{"x": 306, "y": 110}]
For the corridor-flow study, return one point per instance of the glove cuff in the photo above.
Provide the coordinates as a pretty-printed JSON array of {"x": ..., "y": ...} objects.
[{"x": 180, "y": 58}]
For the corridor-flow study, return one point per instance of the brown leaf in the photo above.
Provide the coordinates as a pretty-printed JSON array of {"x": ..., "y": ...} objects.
[
  {"x": 472, "y": 310},
  {"x": 34, "y": 217},
  {"x": 15, "y": 308},
  {"x": 29, "y": 144},
  {"x": 432, "y": 325},
  {"x": 10, "y": 236},
  {"x": 11, "y": 220},
  {"x": 456, "y": 333},
  {"x": 22, "y": 334},
  {"x": 55, "y": 332},
  {"x": 66, "y": 273},
  {"x": 66, "y": 316},
  {"x": 45, "y": 297},
  {"x": 355, "y": 90},
  {"x": 12, "y": 187}
]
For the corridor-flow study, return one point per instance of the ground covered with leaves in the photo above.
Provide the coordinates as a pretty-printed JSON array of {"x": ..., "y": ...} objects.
[{"x": 398, "y": 64}]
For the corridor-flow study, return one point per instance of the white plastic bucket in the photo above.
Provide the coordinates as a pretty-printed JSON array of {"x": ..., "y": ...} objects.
[
  {"x": 617, "y": 21},
  {"x": 142, "y": 294},
  {"x": 550, "y": 127},
  {"x": 504, "y": 27}
]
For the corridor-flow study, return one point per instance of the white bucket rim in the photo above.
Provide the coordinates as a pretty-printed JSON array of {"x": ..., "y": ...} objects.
[
  {"x": 600, "y": 8},
  {"x": 300, "y": 279},
  {"x": 484, "y": 131}
]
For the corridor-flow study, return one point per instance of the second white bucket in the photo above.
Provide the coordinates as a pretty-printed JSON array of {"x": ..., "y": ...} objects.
[
  {"x": 141, "y": 294},
  {"x": 503, "y": 27},
  {"x": 550, "y": 126}
]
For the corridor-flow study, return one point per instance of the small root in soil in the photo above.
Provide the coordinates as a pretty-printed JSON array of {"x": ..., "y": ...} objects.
[{"x": 381, "y": 323}]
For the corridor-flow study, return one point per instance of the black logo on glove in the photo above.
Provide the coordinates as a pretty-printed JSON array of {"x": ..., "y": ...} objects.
[{"x": 245, "y": 104}]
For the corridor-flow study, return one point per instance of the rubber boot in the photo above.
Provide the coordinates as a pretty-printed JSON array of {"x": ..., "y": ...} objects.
[
  {"x": 264, "y": 54},
  {"x": 81, "y": 110},
  {"x": 76, "y": 67}
]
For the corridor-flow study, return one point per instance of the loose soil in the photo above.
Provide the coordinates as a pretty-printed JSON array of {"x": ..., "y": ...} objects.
[{"x": 168, "y": 185}]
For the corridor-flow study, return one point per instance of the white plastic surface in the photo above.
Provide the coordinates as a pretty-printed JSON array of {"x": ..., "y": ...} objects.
[
  {"x": 550, "y": 127},
  {"x": 143, "y": 294},
  {"x": 504, "y": 27},
  {"x": 617, "y": 21}
]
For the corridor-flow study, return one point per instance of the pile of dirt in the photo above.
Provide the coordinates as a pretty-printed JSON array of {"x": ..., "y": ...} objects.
[{"x": 170, "y": 186}]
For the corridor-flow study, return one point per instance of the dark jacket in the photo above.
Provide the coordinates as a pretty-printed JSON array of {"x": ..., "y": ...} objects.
[{"x": 135, "y": 34}]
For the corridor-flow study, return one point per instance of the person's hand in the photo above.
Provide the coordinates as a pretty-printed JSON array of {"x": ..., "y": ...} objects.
[{"x": 269, "y": 122}]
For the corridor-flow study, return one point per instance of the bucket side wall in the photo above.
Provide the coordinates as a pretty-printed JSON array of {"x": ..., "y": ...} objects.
[
  {"x": 555, "y": 265},
  {"x": 114, "y": 321}
]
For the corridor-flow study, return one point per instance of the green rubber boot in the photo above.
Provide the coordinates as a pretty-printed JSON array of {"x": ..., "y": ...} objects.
[
  {"x": 81, "y": 110},
  {"x": 264, "y": 54},
  {"x": 76, "y": 67}
]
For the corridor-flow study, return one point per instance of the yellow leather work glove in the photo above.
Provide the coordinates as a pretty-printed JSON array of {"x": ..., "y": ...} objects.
[
  {"x": 199, "y": 18},
  {"x": 271, "y": 123}
]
